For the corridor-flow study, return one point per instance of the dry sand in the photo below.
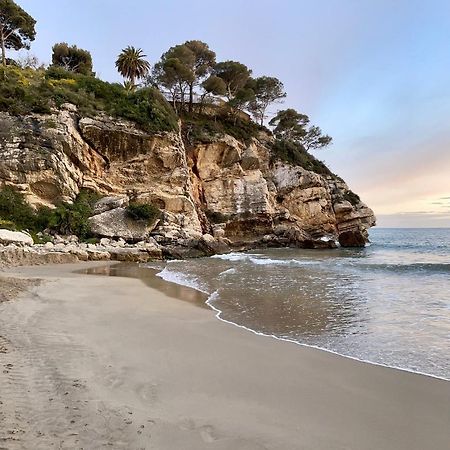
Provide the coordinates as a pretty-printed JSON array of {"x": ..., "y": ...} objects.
[{"x": 92, "y": 362}]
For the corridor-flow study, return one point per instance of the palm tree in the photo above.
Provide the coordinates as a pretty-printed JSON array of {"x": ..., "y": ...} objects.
[{"x": 132, "y": 65}]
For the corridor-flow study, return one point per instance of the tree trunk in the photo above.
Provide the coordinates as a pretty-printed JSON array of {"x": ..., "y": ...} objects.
[
  {"x": 191, "y": 97},
  {"x": 2, "y": 38}
]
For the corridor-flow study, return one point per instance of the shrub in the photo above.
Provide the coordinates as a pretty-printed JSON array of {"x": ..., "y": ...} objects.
[
  {"x": 149, "y": 213},
  {"x": 216, "y": 216},
  {"x": 27, "y": 91},
  {"x": 296, "y": 155},
  {"x": 72, "y": 218},
  {"x": 203, "y": 128},
  {"x": 15, "y": 212},
  {"x": 67, "y": 218}
]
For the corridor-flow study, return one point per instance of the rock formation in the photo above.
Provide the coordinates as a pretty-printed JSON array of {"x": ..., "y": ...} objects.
[{"x": 218, "y": 195}]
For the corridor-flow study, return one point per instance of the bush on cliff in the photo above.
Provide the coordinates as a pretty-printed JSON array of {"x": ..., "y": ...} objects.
[
  {"x": 204, "y": 128},
  {"x": 293, "y": 153},
  {"x": 145, "y": 212},
  {"x": 27, "y": 91},
  {"x": 15, "y": 212},
  {"x": 67, "y": 218},
  {"x": 72, "y": 218}
]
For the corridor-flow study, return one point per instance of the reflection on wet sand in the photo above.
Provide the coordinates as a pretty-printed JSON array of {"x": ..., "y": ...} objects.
[{"x": 148, "y": 276}]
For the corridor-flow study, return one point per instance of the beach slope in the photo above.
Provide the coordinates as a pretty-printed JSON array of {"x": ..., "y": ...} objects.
[{"x": 92, "y": 362}]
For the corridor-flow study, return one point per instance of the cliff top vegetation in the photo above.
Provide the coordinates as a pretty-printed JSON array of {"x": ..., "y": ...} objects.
[{"x": 210, "y": 97}]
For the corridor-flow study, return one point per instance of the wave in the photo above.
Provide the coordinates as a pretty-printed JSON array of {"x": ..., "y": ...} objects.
[
  {"x": 218, "y": 313},
  {"x": 228, "y": 272},
  {"x": 232, "y": 256},
  {"x": 182, "y": 279},
  {"x": 405, "y": 267},
  {"x": 263, "y": 261}
]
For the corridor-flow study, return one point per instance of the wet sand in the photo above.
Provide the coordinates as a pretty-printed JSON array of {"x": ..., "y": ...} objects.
[{"x": 91, "y": 362}]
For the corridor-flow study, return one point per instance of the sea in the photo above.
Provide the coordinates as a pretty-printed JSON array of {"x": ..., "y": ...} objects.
[{"x": 387, "y": 303}]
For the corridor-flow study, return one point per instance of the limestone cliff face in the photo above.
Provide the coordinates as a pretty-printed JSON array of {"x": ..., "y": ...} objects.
[{"x": 229, "y": 189}]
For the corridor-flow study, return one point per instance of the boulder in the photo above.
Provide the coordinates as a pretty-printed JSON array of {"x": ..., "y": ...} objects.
[
  {"x": 109, "y": 203},
  {"x": 352, "y": 238},
  {"x": 130, "y": 255},
  {"x": 116, "y": 224},
  {"x": 15, "y": 237}
]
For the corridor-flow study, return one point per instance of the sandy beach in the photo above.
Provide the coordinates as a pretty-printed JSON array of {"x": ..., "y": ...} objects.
[{"x": 91, "y": 362}]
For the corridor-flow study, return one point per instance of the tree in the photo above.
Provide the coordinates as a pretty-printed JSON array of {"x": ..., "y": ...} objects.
[
  {"x": 72, "y": 58},
  {"x": 131, "y": 64},
  {"x": 214, "y": 85},
  {"x": 175, "y": 72},
  {"x": 314, "y": 139},
  {"x": 234, "y": 75},
  {"x": 267, "y": 90},
  {"x": 16, "y": 28},
  {"x": 183, "y": 67},
  {"x": 203, "y": 62},
  {"x": 290, "y": 125}
]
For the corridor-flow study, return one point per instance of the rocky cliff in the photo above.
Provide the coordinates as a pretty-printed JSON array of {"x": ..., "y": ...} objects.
[{"x": 227, "y": 193}]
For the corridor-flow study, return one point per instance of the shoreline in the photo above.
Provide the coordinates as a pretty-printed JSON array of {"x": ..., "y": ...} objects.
[
  {"x": 196, "y": 382},
  {"x": 218, "y": 312}
]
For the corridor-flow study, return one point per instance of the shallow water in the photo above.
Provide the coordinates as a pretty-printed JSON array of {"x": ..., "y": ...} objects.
[{"x": 388, "y": 303}]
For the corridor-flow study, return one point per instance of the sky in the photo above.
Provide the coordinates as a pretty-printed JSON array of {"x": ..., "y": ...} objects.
[{"x": 373, "y": 74}]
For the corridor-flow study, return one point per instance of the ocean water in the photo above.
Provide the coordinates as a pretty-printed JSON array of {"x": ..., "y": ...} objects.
[{"x": 388, "y": 303}]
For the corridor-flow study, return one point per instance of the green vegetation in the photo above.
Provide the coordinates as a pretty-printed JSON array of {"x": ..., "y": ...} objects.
[
  {"x": 16, "y": 28},
  {"x": 182, "y": 68},
  {"x": 72, "y": 58},
  {"x": 27, "y": 90},
  {"x": 15, "y": 212},
  {"x": 294, "y": 153},
  {"x": 71, "y": 218},
  {"x": 67, "y": 218},
  {"x": 202, "y": 128},
  {"x": 216, "y": 216},
  {"x": 132, "y": 65},
  {"x": 291, "y": 125},
  {"x": 144, "y": 212},
  {"x": 209, "y": 96},
  {"x": 267, "y": 90}
]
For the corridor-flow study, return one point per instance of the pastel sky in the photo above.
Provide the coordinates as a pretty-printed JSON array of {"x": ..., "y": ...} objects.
[{"x": 374, "y": 74}]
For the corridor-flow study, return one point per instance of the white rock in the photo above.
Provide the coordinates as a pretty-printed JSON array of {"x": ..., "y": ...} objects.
[
  {"x": 15, "y": 237},
  {"x": 208, "y": 238},
  {"x": 116, "y": 224},
  {"x": 109, "y": 203}
]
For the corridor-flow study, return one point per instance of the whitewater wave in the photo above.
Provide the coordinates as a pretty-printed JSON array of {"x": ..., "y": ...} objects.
[
  {"x": 263, "y": 261},
  {"x": 228, "y": 272},
  {"x": 182, "y": 279}
]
